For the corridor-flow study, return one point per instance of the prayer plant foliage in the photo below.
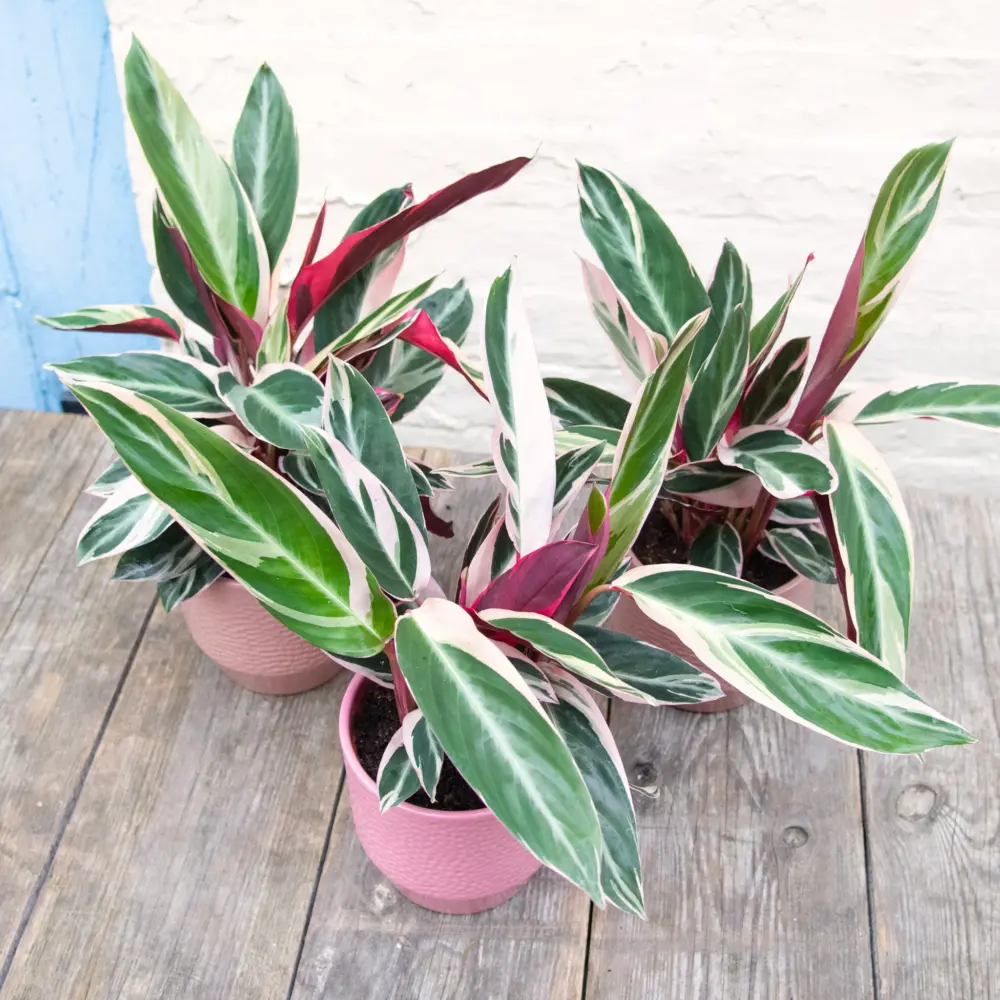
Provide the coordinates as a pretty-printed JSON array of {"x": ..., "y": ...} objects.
[
  {"x": 506, "y": 679},
  {"x": 251, "y": 365},
  {"x": 762, "y": 455}
]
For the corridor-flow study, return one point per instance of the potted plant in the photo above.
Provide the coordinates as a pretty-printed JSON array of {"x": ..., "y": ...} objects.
[
  {"x": 488, "y": 701},
  {"x": 219, "y": 231},
  {"x": 764, "y": 481}
]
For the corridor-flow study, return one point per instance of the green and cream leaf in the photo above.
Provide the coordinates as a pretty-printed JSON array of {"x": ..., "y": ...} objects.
[
  {"x": 786, "y": 464},
  {"x": 397, "y": 778},
  {"x": 424, "y": 751},
  {"x": 718, "y": 546},
  {"x": 283, "y": 400},
  {"x": 129, "y": 517}
]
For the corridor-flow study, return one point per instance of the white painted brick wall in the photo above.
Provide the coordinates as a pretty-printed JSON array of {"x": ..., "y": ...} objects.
[{"x": 769, "y": 123}]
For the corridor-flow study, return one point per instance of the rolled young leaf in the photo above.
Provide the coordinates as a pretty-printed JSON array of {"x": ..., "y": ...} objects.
[
  {"x": 588, "y": 736},
  {"x": 397, "y": 778},
  {"x": 315, "y": 283},
  {"x": 963, "y": 402},
  {"x": 640, "y": 253},
  {"x": 788, "y": 660},
  {"x": 117, "y": 319},
  {"x": 179, "y": 381},
  {"x": 786, "y": 465},
  {"x": 387, "y": 539},
  {"x": 205, "y": 198},
  {"x": 266, "y": 157},
  {"x": 523, "y": 447},
  {"x": 498, "y": 736},
  {"x": 128, "y": 518},
  {"x": 718, "y": 547},
  {"x": 662, "y": 677},
  {"x": 644, "y": 449},
  {"x": 573, "y": 402},
  {"x": 717, "y": 388},
  {"x": 282, "y": 548},
  {"x": 282, "y": 400},
  {"x": 276, "y": 344},
  {"x": 424, "y": 751},
  {"x": 875, "y": 543}
]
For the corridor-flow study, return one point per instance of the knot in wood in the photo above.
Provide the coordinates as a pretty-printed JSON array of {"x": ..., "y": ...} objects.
[
  {"x": 917, "y": 801},
  {"x": 795, "y": 836}
]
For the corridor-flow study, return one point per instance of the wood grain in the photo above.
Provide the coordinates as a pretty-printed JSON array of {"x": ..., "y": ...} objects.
[
  {"x": 365, "y": 940},
  {"x": 189, "y": 864},
  {"x": 934, "y": 824},
  {"x": 753, "y": 862},
  {"x": 68, "y": 634}
]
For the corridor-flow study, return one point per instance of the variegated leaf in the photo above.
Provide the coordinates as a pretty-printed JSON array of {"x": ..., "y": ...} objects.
[
  {"x": 376, "y": 668},
  {"x": 355, "y": 416},
  {"x": 282, "y": 548},
  {"x": 662, "y": 677},
  {"x": 117, "y": 319},
  {"x": 588, "y": 736},
  {"x": 798, "y": 511},
  {"x": 640, "y": 253},
  {"x": 802, "y": 548},
  {"x": 397, "y": 778},
  {"x": 776, "y": 382},
  {"x": 109, "y": 480},
  {"x": 573, "y": 403},
  {"x": 875, "y": 543},
  {"x": 566, "y": 647},
  {"x": 424, "y": 751},
  {"x": 644, "y": 449},
  {"x": 275, "y": 346},
  {"x": 266, "y": 158},
  {"x": 523, "y": 448},
  {"x": 718, "y": 547},
  {"x": 205, "y": 199},
  {"x": 765, "y": 332},
  {"x": 490, "y": 558},
  {"x": 344, "y": 307},
  {"x": 717, "y": 388},
  {"x": 166, "y": 557},
  {"x": 963, "y": 402},
  {"x": 129, "y": 517},
  {"x": 635, "y": 345},
  {"x": 282, "y": 400},
  {"x": 731, "y": 287},
  {"x": 173, "y": 263},
  {"x": 175, "y": 379},
  {"x": 196, "y": 578},
  {"x": 789, "y": 660},
  {"x": 583, "y": 435},
  {"x": 573, "y": 469},
  {"x": 787, "y": 465},
  {"x": 387, "y": 539},
  {"x": 498, "y": 736},
  {"x": 712, "y": 482}
]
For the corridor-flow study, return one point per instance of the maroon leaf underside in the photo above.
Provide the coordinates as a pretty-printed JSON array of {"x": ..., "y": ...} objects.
[
  {"x": 313, "y": 245},
  {"x": 390, "y": 401},
  {"x": 830, "y": 368},
  {"x": 316, "y": 282},
  {"x": 148, "y": 325},
  {"x": 422, "y": 333},
  {"x": 542, "y": 581},
  {"x": 436, "y": 525},
  {"x": 825, "y": 509}
]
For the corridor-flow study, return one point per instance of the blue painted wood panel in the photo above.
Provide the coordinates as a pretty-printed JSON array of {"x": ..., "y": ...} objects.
[{"x": 69, "y": 234}]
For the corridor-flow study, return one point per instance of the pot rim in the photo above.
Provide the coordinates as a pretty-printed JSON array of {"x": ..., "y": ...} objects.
[{"x": 347, "y": 751}]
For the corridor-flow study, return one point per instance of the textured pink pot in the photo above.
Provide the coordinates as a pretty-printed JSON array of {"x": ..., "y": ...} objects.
[
  {"x": 251, "y": 646},
  {"x": 450, "y": 862},
  {"x": 627, "y": 618}
]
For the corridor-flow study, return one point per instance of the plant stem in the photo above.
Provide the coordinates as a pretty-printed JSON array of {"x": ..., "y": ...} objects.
[
  {"x": 405, "y": 702},
  {"x": 578, "y": 608}
]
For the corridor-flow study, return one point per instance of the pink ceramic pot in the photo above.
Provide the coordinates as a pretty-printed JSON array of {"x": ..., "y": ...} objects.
[
  {"x": 251, "y": 646},
  {"x": 450, "y": 862},
  {"x": 627, "y": 618}
]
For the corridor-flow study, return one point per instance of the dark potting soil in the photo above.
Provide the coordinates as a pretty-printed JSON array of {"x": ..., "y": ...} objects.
[
  {"x": 659, "y": 543},
  {"x": 375, "y": 722}
]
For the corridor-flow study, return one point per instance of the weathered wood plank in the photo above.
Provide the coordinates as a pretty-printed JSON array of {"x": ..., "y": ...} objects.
[
  {"x": 67, "y": 636},
  {"x": 367, "y": 941},
  {"x": 753, "y": 856},
  {"x": 191, "y": 858},
  {"x": 46, "y": 459},
  {"x": 934, "y": 824}
]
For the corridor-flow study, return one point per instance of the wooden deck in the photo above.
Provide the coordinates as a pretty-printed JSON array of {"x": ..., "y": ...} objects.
[{"x": 165, "y": 834}]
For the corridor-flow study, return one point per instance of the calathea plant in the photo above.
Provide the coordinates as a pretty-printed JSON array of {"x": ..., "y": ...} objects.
[
  {"x": 502, "y": 680},
  {"x": 241, "y": 360},
  {"x": 763, "y": 457}
]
